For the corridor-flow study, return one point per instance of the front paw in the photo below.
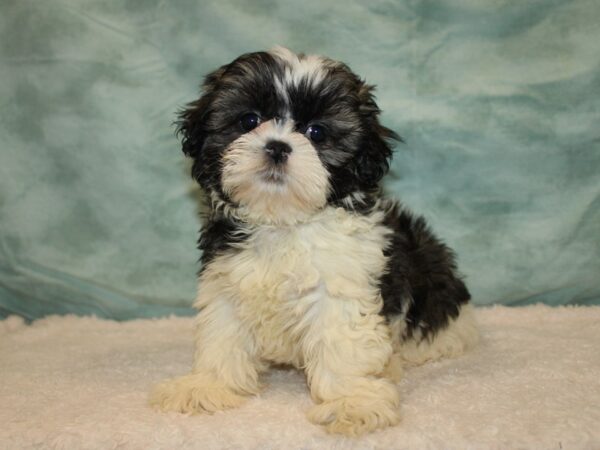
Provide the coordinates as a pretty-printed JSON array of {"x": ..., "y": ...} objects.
[
  {"x": 192, "y": 394},
  {"x": 356, "y": 415}
]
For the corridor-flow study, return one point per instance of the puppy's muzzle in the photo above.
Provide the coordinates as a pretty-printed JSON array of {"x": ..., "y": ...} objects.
[{"x": 278, "y": 151}]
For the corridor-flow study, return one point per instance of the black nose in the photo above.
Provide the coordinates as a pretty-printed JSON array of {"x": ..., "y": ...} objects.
[{"x": 278, "y": 151}]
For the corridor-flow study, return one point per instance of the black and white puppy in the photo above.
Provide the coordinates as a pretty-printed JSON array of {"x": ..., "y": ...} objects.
[{"x": 303, "y": 261}]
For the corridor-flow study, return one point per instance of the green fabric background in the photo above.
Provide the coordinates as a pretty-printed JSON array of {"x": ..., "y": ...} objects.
[{"x": 498, "y": 101}]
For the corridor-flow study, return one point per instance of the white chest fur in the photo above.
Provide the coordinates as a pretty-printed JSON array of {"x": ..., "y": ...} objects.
[{"x": 282, "y": 281}]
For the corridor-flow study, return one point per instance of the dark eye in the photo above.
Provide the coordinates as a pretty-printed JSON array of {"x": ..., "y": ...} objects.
[
  {"x": 316, "y": 133},
  {"x": 249, "y": 121}
]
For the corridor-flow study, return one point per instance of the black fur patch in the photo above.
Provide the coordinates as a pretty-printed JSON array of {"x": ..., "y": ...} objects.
[
  {"x": 217, "y": 236},
  {"x": 423, "y": 269}
]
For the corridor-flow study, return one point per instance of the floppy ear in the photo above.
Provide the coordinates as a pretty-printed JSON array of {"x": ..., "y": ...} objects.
[
  {"x": 192, "y": 119},
  {"x": 190, "y": 125},
  {"x": 373, "y": 159}
]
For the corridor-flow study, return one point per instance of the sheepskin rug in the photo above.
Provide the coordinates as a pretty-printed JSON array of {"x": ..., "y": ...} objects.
[{"x": 82, "y": 382}]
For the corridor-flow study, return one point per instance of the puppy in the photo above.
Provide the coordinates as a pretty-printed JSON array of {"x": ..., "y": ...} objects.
[{"x": 304, "y": 262}]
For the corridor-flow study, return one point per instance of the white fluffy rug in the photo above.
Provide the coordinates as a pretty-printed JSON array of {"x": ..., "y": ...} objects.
[{"x": 71, "y": 382}]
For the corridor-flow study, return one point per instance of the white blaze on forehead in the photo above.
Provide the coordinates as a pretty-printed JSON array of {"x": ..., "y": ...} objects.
[
  {"x": 279, "y": 130},
  {"x": 311, "y": 68}
]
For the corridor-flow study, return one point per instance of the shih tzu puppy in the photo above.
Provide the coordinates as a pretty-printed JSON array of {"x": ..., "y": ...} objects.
[{"x": 304, "y": 262}]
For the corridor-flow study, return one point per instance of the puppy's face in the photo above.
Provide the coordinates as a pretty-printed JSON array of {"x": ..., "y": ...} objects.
[{"x": 277, "y": 136}]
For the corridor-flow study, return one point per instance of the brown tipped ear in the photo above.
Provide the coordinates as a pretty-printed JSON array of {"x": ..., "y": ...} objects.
[
  {"x": 192, "y": 119},
  {"x": 373, "y": 159}
]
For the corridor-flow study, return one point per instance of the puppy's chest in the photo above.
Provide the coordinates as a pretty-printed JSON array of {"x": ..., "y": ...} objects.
[
  {"x": 282, "y": 273},
  {"x": 289, "y": 261}
]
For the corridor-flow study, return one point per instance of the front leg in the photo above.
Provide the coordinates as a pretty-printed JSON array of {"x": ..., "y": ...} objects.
[
  {"x": 346, "y": 353},
  {"x": 226, "y": 367}
]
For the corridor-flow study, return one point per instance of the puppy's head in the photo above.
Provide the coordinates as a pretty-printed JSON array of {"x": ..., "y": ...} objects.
[{"x": 277, "y": 136}]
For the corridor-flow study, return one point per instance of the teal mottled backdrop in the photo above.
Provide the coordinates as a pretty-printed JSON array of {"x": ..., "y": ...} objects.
[{"x": 498, "y": 101}]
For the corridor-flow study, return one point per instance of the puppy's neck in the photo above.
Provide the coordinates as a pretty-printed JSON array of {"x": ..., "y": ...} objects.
[
  {"x": 356, "y": 202},
  {"x": 278, "y": 214}
]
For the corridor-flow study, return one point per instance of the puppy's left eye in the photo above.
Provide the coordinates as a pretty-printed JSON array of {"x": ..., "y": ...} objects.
[{"x": 315, "y": 133}]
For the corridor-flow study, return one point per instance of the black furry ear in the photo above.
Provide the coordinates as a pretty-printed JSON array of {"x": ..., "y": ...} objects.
[
  {"x": 373, "y": 159},
  {"x": 190, "y": 126},
  {"x": 192, "y": 119}
]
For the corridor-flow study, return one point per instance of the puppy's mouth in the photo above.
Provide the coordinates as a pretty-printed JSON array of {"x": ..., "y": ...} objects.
[{"x": 274, "y": 173}]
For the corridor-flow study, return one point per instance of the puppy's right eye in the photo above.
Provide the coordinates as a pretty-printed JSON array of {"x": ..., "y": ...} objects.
[{"x": 249, "y": 121}]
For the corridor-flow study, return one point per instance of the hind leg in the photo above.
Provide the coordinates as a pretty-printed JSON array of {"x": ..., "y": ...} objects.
[{"x": 460, "y": 335}]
